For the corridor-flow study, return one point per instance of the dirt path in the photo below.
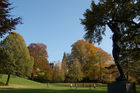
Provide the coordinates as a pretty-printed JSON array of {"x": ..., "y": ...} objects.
[{"x": 15, "y": 86}]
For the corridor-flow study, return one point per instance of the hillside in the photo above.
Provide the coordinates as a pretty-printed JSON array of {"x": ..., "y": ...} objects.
[{"x": 17, "y": 82}]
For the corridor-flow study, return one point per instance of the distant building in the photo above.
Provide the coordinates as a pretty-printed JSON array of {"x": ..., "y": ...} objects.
[
  {"x": 55, "y": 63},
  {"x": 51, "y": 64}
]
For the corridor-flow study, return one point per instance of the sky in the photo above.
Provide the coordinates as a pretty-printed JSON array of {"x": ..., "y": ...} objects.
[{"x": 55, "y": 23}]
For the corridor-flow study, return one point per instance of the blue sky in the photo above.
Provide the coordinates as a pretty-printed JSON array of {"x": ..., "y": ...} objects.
[{"x": 55, "y": 23}]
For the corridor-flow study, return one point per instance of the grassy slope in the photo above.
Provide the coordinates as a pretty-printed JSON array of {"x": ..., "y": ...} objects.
[
  {"x": 21, "y": 81},
  {"x": 42, "y": 88},
  {"x": 53, "y": 88}
]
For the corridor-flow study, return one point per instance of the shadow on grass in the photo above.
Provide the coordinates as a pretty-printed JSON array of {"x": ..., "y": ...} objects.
[{"x": 10, "y": 90}]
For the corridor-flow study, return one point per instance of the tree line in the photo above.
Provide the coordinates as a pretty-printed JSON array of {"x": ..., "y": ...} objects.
[{"x": 85, "y": 62}]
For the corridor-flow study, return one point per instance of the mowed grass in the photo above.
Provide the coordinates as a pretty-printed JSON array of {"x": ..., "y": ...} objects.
[
  {"x": 21, "y": 81},
  {"x": 35, "y": 87}
]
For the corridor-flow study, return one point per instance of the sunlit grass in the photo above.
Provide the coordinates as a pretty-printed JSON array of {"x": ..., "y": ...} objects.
[
  {"x": 35, "y": 87},
  {"x": 22, "y": 81}
]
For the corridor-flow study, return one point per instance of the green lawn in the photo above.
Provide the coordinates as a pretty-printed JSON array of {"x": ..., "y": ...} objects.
[
  {"x": 34, "y": 87},
  {"x": 21, "y": 81}
]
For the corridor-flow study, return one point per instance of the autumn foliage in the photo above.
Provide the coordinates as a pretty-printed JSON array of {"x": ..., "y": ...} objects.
[
  {"x": 41, "y": 69},
  {"x": 86, "y": 53},
  {"x": 93, "y": 62},
  {"x": 85, "y": 63}
]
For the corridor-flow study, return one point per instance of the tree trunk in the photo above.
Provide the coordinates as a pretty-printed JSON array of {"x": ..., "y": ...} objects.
[
  {"x": 7, "y": 82},
  {"x": 116, "y": 49}
]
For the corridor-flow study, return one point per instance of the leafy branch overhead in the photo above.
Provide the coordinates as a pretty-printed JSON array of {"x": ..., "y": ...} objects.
[
  {"x": 126, "y": 14},
  {"x": 7, "y": 21},
  {"x": 123, "y": 19}
]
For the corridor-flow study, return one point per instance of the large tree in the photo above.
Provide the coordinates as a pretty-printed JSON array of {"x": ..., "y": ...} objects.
[
  {"x": 123, "y": 19},
  {"x": 14, "y": 56},
  {"x": 7, "y": 21},
  {"x": 75, "y": 71},
  {"x": 86, "y": 54},
  {"x": 103, "y": 59},
  {"x": 41, "y": 68}
]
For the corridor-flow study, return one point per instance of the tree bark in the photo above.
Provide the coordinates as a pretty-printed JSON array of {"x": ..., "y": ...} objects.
[
  {"x": 7, "y": 82},
  {"x": 116, "y": 49}
]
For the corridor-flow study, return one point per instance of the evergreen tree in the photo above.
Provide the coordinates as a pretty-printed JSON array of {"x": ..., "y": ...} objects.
[{"x": 64, "y": 65}]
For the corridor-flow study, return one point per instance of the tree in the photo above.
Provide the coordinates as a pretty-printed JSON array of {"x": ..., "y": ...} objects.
[
  {"x": 14, "y": 56},
  {"x": 7, "y": 21},
  {"x": 48, "y": 73},
  {"x": 75, "y": 71},
  {"x": 111, "y": 72},
  {"x": 85, "y": 53},
  {"x": 64, "y": 65},
  {"x": 103, "y": 59},
  {"x": 41, "y": 68},
  {"x": 58, "y": 73},
  {"x": 122, "y": 17}
]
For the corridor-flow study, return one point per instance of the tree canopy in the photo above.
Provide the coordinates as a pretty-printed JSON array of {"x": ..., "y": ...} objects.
[
  {"x": 104, "y": 59},
  {"x": 92, "y": 60},
  {"x": 14, "y": 56},
  {"x": 75, "y": 71},
  {"x": 41, "y": 66},
  {"x": 7, "y": 21},
  {"x": 85, "y": 53},
  {"x": 123, "y": 19}
]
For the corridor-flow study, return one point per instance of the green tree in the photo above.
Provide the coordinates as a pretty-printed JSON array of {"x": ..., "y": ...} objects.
[
  {"x": 122, "y": 17},
  {"x": 58, "y": 73},
  {"x": 64, "y": 66},
  {"x": 15, "y": 58},
  {"x": 7, "y": 21},
  {"x": 75, "y": 71}
]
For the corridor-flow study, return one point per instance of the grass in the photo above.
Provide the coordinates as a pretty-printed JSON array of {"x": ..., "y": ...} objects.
[
  {"x": 49, "y": 91},
  {"x": 22, "y": 81},
  {"x": 28, "y": 86}
]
